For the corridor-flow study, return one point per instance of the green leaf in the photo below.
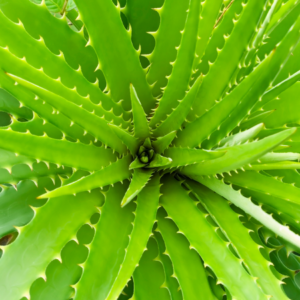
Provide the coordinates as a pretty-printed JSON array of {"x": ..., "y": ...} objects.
[
  {"x": 203, "y": 238},
  {"x": 159, "y": 161},
  {"x": 149, "y": 277},
  {"x": 119, "y": 60},
  {"x": 247, "y": 249},
  {"x": 16, "y": 201},
  {"x": 42, "y": 240},
  {"x": 280, "y": 24},
  {"x": 278, "y": 59},
  {"x": 289, "y": 211},
  {"x": 44, "y": 25},
  {"x": 86, "y": 157},
  {"x": 32, "y": 60},
  {"x": 115, "y": 172},
  {"x": 32, "y": 171},
  {"x": 141, "y": 128},
  {"x": 196, "y": 132},
  {"x": 241, "y": 137},
  {"x": 249, "y": 59},
  {"x": 228, "y": 58},
  {"x": 187, "y": 264},
  {"x": 167, "y": 38},
  {"x": 171, "y": 282},
  {"x": 253, "y": 210},
  {"x": 175, "y": 120},
  {"x": 274, "y": 166},
  {"x": 272, "y": 93},
  {"x": 95, "y": 125},
  {"x": 38, "y": 126},
  {"x": 58, "y": 6},
  {"x": 285, "y": 103},
  {"x": 186, "y": 156},
  {"x": 103, "y": 263},
  {"x": 255, "y": 120},
  {"x": 162, "y": 143},
  {"x": 136, "y": 164},
  {"x": 126, "y": 138},
  {"x": 144, "y": 21},
  {"x": 11, "y": 105},
  {"x": 178, "y": 81},
  {"x": 223, "y": 27},
  {"x": 266, "y": 185},
  {"x": 61, "y": 275},
  {"x": 138, "y": 181},
  {"x": 238, "y": 156},
  {"x": 9, "y": 159},
  {"x": 40, "y": 107},
  {"x": 145, "y": 214},
  {"x": 208, "y": 17}
]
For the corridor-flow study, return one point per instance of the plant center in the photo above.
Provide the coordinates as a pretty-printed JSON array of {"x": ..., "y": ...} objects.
[{"x": 145, "y": 155}]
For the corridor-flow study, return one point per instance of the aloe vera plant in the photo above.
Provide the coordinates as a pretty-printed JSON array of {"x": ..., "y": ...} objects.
[{"x": 149, "y": 149}]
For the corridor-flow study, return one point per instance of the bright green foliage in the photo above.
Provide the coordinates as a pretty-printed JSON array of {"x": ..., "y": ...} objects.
[{"x": 149, "y": 149}]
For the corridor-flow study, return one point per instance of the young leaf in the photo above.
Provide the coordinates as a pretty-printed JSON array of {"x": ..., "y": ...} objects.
[
  {"x": 141, "y": 128},
  {"x": 86, "y": 157},
  {"x": 117, "y": 171},
  {"x": 102, "y": 265},
  {"x": 175, "y": 120},
  {"x": 238, "y": 156},
  {"x": 162, "y": 143},
  {"x": 139, "y": 180},
  {"x": 147, "y": 203}
]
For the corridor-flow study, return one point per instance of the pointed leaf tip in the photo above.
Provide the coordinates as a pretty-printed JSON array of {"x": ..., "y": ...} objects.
[
  {"x": 162, "y": 143},
  {"x": 141, "y": 128},
  {"x": 159, "y": 161},
  {"x": 139, "y": 179},
  {"x": 128, "y": 140}
]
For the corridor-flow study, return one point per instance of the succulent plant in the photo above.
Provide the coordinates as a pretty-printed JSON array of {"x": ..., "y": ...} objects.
[{"x": 149, "y": 149}]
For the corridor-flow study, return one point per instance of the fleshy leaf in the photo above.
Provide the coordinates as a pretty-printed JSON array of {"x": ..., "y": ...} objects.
[
  {"x": 103, "y": 263},
  {"x": 117, "y": 171},
  {"x": 145, "y": 214},
  {"x": 136, "y": 164},
  {"x": 167, "y": 38},
  {"x": 139, "y": 180},
  {"x": 95, "y": 125},
  {"x": 204, "y": 239},
  {"x": 56, "y": 151},
  {"x": 179, "y": 79},
  {"x": 174, "y": 121},
  {"x": 238, "y": 156},
  {"x": 186, "y": 156},
  {"x": 141, "y": 128},
  {"x": 241, "y": 137},
  {"x": 42, "y": 239},
  {"x": 253, "y": 210},
  {"x": 159, "y": 161},
  {"x": 162, "y": 143},
  {"x": 127, "y": 139},
  {"x": 187, "y": 264},
  {"x": 266, "y": 185},
  {"x": 119, "y": 61},
  {"x": 171, "y": 282},
  {"x": 248, "y": 250},
  {"x": 149, "y": 276}
]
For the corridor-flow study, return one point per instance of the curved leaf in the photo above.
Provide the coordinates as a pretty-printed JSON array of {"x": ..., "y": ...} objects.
[
  {"x": 115, "y": 172},
  {"x": 145, "y": 214}
]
